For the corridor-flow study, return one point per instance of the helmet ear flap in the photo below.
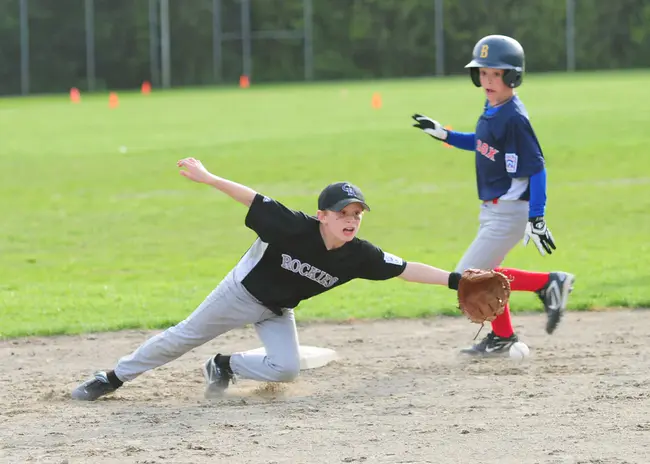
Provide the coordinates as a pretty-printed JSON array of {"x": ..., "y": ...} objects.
[
  {"x": 512, "y": 78},
  {"x": 474, "y": 74}
]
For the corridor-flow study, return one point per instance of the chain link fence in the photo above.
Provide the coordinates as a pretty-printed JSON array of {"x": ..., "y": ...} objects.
[{"x": 50, "y": 46}]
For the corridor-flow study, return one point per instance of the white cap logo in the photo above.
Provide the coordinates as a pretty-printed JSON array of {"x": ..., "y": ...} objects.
[{"x": 347, "y": 188}]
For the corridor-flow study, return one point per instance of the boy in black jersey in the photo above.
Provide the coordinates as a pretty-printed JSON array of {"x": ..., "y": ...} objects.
[{"x": 294, "y": 257}]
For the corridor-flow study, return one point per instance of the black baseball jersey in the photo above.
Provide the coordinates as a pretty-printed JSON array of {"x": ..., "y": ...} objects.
[{"x": 288, "y": 262}]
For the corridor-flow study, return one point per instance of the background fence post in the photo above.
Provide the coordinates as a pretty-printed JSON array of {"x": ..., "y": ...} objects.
[
  {"x": 24, "y": 47},
  {"x": 165, "y": 44},
  {"x": 570, "y": 35},
  {"x": 246, "y": 37},
  {"x": 90, "y": 44},
  {"x": 440, "y": 37},
  {"x": 154, "y": 43},
  {"x": 308, "y": 15},
  {"x": 217, "y": 69}
]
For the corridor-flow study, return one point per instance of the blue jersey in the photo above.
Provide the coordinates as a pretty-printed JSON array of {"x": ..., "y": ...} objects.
[{"x": 507, "y": 152}]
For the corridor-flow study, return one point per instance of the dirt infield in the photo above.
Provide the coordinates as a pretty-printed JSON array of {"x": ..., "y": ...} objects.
[{"x": 399, "y": 394}]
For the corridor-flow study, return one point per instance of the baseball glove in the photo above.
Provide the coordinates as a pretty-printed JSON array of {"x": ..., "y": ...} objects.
[{"x": 483, "y": 294}]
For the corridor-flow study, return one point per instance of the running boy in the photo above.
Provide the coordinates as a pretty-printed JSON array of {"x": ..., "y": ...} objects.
[
  {"x": 294, "y": 257},
  {"x": 511, "y": 181}
]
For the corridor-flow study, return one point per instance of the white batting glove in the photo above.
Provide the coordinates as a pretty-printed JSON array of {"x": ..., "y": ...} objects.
[
  {"x": 541, "y": 236},
  {"x": 430, "y": 126}
]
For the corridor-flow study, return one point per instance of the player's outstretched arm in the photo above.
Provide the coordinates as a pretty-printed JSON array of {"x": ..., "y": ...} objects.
[
  {"x": 430, "y": 126},
  {"x": 482, "y": 294},
  {"x": 425, "y": 274},
  {"x": 462, "y": 140},
  {"x": 194, "y": 170}
]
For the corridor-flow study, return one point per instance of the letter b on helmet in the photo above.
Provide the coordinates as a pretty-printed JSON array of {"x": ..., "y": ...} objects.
[{"x": 499, "y": 52}]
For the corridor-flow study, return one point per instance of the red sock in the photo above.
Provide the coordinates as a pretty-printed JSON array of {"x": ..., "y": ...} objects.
[
  {"x": 502, "y": 325},
  {"x": 524, "y": 280}
]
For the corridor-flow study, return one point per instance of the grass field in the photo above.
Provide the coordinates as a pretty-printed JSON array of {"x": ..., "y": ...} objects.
[{"x": 95, "y": 238}]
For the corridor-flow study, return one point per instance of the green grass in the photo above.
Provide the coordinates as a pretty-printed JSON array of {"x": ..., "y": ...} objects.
[{"x": 95, "y": 239}]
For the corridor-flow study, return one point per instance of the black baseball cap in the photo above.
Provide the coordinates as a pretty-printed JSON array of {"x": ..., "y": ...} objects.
[{"x": 337, "y": 196}]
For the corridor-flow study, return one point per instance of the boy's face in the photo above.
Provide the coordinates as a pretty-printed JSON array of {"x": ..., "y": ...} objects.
[
  {"x": 492, "y": 82},
  {"x": 343, "y": 224}
]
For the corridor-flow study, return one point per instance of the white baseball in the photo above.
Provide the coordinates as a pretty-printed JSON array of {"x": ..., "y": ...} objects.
[{"x": 519, "y": 351}]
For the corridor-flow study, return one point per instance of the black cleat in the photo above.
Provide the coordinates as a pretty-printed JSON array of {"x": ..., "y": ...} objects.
[
  {"x": 492, "y": 345},
  {"x": 555, "y": 296},
  {"x": 217, "y": 378},
  {"x": 92, "y": 389}
]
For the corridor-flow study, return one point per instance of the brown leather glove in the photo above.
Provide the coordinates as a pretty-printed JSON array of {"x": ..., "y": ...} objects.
[{"x": 483, "y": 294}]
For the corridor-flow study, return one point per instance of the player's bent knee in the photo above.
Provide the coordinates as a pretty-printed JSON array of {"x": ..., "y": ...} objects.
[{"x": 287, "y": 371}]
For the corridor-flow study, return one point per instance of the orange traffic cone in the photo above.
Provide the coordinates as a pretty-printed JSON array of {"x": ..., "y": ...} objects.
[
  {"x": 113, "y": 101},
  {"x": 146, "y": 88},
  {"x": 75, "y": 95},
  {"x": 376, "y": 100},
  {"x": 244, "y": 82}
]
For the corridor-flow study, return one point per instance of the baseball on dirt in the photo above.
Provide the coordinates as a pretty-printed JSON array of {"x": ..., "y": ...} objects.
[{"x": 519, "y": 351}]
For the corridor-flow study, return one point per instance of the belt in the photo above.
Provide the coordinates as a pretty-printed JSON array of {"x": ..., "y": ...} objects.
[
  {"x": 277, "y": 310},
  {"x": 494, "y": 201}
]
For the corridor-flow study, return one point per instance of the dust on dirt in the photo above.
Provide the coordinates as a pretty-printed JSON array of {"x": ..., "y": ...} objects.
[{"x": 399, "y": 393}]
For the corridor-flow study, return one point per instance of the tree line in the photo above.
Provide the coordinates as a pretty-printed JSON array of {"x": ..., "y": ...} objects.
[{"x": 352, "y": 39}]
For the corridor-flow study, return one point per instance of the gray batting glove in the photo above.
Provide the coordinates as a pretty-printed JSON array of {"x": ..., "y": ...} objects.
[{"x": 430, "y": 126}]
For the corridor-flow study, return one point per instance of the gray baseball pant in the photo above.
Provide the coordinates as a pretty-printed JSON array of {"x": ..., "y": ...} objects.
[
  {"x": 501, "y": 227},
  {"x": 228, "y": 306}
]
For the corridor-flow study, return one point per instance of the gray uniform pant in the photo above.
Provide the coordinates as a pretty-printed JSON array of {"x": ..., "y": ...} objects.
[
  {"x": 501, "y": 227},
  {"x": 228, "y": 306}
]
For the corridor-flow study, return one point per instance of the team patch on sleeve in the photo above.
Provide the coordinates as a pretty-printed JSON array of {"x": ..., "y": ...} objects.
[
  {"x": 392, "y": 259},
  {"x": 511, "y": 162}
]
